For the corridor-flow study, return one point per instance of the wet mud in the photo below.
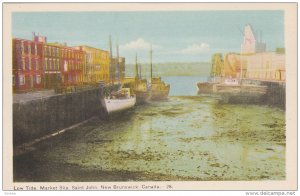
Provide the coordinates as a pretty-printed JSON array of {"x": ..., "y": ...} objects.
[{"x": 184, "y": 138}]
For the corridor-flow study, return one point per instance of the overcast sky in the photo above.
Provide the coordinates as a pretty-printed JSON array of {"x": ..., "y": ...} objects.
[{"x": 177, "y": 36}]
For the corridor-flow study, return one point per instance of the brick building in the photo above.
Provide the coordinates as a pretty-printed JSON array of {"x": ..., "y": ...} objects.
[
  {"x": 97, "y": 64},
  {"x": 52, "y": 65},
  {"x": 73, "y": 62},
  {"x": 27, "y": 65}
]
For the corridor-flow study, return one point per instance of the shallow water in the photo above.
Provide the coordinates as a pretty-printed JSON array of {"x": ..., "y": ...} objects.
[{"x": 184, "y": 138}]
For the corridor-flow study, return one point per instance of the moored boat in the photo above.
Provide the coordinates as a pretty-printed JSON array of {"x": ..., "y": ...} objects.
[
  {"x": 121, "y": 99},
  {"x": 140, "y": 87},
  {"x": 159, "y": 90},
  {"x": 215, "y": 75}
]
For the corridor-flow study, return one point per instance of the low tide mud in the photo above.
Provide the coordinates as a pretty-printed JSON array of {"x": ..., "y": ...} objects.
[{"x": 183, "y": 138}]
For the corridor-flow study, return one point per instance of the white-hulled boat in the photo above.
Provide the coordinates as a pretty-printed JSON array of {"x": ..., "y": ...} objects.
[
  {"x": 121, "y": 99},
  {"x": 118, "y": 102}
]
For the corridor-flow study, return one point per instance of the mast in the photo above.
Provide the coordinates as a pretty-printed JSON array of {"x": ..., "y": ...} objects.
[
  {"x": 118, "y": 65},
  {"x": 151, "y": 62},
  {"x": 140, "y": 67},
  {"x": 136, "y": 67},
  {"x": 241, "y": 71},
  {"x": 111, "y": 61}
]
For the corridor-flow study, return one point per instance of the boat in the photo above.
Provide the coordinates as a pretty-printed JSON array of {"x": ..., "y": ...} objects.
[
  {"x": 215, "y": 75},
  {"x": 140, "y": 87},
  {"x": 117, "y": 100},
  {"x": 208, "y": 87},
  {"x": 159, "y": 89}
]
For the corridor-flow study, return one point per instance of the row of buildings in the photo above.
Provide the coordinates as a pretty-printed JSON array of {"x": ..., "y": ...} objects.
[
  {"x": 253, "y": 62},
  {"x": 40, "y": 65}
]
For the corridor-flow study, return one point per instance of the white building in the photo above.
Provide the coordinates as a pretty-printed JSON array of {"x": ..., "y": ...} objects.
[{"x": 250, "y": 43}]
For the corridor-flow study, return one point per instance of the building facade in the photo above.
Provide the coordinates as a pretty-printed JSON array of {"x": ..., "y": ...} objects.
[
  {"x": 73, "y": 62},
  {"x": 97, "y": 64},
  {"x": 41, "y": 65},
  {"x": 265, "y": 66},
  {"x": 268, "y": 66},
  {"x": 52, "y": 66},
  {"x": 27, "y": 65}
]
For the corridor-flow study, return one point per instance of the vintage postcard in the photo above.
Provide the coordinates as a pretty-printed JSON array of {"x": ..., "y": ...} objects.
[{"x": 150, "y": 96}]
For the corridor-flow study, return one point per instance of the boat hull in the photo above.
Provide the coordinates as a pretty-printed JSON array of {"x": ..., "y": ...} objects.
[
  {"x": 142, "y": 97},
  {"x": 205, "y": 87},
  {"x": 159, "y": 94},
  {"x": 118, "y": 105}
]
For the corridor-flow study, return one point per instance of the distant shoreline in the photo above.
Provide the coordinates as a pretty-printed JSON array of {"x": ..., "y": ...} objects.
[{"x": 172, "y": 69}]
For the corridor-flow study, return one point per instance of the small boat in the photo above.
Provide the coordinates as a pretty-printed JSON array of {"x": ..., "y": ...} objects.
[
  {"x": 215, "y": 75},
  {"x": 140, "y": 86},
  {"x": 142, "y": 92},
  {"x": 208, "y": 87},
  {"x": 159, "y": 90},
  {"x": 120, "y": 99}
]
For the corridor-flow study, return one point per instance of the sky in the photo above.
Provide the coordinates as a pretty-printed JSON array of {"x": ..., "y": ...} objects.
[{"x": 175, "y": 36}]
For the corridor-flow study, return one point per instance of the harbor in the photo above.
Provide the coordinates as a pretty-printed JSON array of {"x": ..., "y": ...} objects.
[
  {"x": 136, "y": 111},
  {"x": 183, "y": 138}
]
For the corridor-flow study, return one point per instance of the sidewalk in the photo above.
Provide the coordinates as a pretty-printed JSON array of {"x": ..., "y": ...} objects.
[{"x": 24, "y": 97}]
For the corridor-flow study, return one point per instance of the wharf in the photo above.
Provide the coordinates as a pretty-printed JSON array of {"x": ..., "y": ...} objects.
[
  {"x": 25, "y": 97},
  {"x": 250, "y": 91},
  {"x": 38, "y": 114}
]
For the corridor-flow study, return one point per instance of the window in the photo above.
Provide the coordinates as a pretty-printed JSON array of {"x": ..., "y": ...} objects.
[
  {"x": 22, "y": 47},
  {"x": 38, "y": 79},
  {"x": 35, "y": 49},
  {"x": 37, "y": 66},
  {"x": 45, "y": 50},
  {"x": 65, "y": 65},
  {"x": 45, "y": 64},
  {"x": 49, "y": 50},
  {"x": 54, "y": 64},
  {"x": 29, "y": 48},
  {"x": 22, "y": 79},
  {"x": 23, "y": 63},
  {"x": 50, "y": 64},
  {"x": 29, "y": 63},
  {"x": 57, "y": 64}
]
